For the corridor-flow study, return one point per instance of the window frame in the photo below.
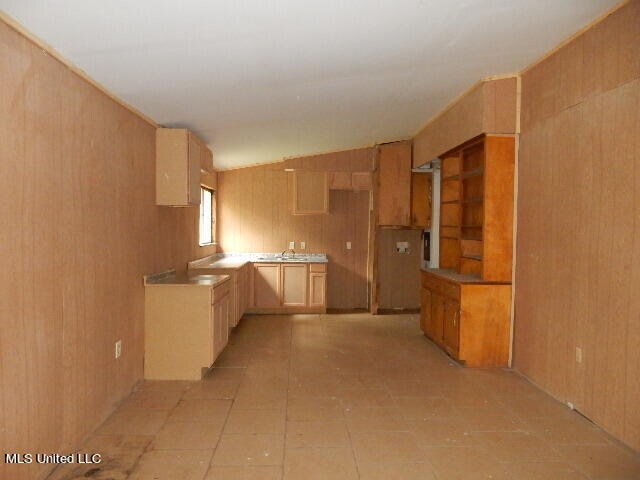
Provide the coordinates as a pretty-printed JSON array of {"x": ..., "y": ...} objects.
[{"x": 212, "y": 233}]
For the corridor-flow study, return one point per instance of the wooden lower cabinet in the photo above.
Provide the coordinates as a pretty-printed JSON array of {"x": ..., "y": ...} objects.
[
  {"x": 186, "y": 328},
  {"x": 451, "y": 327},
  {"x": 266, "y": 285},
  {"x": 289, "y": 288},
  {"x": 294, "y": 284},
  {"x": 240, "y": 288},
  {"x": 317, "y": 289},
  {"x": 468, "y": 319}
]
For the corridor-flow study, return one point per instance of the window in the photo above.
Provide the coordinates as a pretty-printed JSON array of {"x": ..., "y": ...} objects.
[{"x": 207, "y": 216}]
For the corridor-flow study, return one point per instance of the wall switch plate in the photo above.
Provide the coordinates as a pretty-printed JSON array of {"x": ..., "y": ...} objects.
[
  {"x": 118, "y": 348},
  {"x": 292, "y": 245},
  {"x": 578, "y": 355},
  {"x": 303, "y": 245},
  {"x": 348, "y": 245}
]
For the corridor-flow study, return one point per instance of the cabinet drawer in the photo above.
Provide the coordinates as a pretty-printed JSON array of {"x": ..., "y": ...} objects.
[
  {"x": 447, "y": 289},
  {"x": 318, "y": 267},
  {"x": 220, "y": 291}
]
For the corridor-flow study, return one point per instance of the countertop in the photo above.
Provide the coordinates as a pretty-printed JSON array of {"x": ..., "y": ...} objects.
[
  {"x": 237, "y": 260},
  {"x": 456, "y": 277},
  {"x": 170, "y": 278}
]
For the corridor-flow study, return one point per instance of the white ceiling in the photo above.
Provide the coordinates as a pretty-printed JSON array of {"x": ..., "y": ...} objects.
[{"x": 260, "y": 80}]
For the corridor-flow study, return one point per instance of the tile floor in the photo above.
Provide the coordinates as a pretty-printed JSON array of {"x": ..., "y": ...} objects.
[{"x": 337, "y": 397}]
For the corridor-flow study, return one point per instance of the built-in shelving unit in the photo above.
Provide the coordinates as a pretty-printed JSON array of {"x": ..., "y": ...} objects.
[
  {"x": 473, "y": 200},
  {"x": 465, "y": 304}
]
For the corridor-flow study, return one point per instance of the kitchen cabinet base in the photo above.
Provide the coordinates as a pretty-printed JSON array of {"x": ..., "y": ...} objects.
[{"x": 470, "y": 320}]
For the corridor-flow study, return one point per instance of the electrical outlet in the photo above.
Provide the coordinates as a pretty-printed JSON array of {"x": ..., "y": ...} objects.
[
  {"x": 292, "y": 245},
  {"x": 348, "y": 245},
  {"x": 578, "y": 355},
  {"x": 118, "y": 348},
  {"x": 402, "y": 247},
  {"x": 303, "y": 245}
]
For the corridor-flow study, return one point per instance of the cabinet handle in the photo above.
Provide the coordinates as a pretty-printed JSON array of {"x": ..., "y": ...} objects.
[{"x": 456, "y": 316}]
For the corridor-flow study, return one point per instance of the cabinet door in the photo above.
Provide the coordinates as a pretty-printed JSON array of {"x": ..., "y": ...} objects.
[
  {"x": 426, "y": 321},
  {"x": 266, "y": 285},
  {"x": 224, "y": 321},
  {"x": 294, "y": 285},
  {"x": 420, "y": 200},
  {"x": 317, "y": 289},
  {"x": 394, "y": 193},
  {"x": 339, "y": 180},
  {"x": 246, "y": 292},
  {"x": 213, "y": 335},
  {"x": 217, "y": 314},
  {"x": 361, "y": 181},
  {"x": 194, "y": 170},
  {"x": 437, "y": 317},
  {"x": 310, "y": 193},
  {"x": 206, "y": 160},
  {"x": 452, "y": 326}
]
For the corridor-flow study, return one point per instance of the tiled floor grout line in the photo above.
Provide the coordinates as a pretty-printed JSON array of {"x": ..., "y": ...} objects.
[
  {"x": 224, "y": 424},
  {"x": 402, "y": 403},
  {"x": 147, "y": 449},
  {"x": 286, "y": 403}
]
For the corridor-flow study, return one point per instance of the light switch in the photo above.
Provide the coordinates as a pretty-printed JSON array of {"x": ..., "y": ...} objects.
[
  {"x": 348, "y": 245},
  {"x": 292, "y": 245},
  {"x": 303, "y": 245}
]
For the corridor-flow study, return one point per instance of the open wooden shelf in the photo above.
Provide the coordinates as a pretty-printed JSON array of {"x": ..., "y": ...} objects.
[{"x": 469, "y": 198}]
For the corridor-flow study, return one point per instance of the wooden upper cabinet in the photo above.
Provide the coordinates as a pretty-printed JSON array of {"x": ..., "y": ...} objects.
[
  {"x": 356, "y": 181},
  {"x": 178, "y": 162},
  {"x": 361, "y": 181},
  {"x": 339, "y": 180},
  {"x": 421, "y": 199},
  {"x": 195, "y": 158},
  {"x": 206, "y": 159},
  {"x": 394, "y": 193},
  {"x": 310, "y": 193}
]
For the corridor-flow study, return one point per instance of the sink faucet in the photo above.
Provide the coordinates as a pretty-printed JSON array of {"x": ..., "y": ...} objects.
[{"x": 293, "y": 252}]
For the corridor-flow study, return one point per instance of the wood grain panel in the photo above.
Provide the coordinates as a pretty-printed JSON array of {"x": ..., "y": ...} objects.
[
  {"x": 578, "y": 231},
  {"x": 79, "y": 229},
  {"x": 356, "y": 160},
  {"x": 394, "y": 184},
  {"x": 489, "y": 107},
  {"x": 255, "y": 215},
  {"x": 398, "y": 273}
]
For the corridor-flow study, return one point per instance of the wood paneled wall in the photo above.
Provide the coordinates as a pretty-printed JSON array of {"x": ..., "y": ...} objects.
[
  {"x": 255, "y": 215},
  {"x": 398, "y": 273},
  {"x": 489, "y": 107},
  {"x": 79, "y": 229},
  {"x": 578, "y": 250}
]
